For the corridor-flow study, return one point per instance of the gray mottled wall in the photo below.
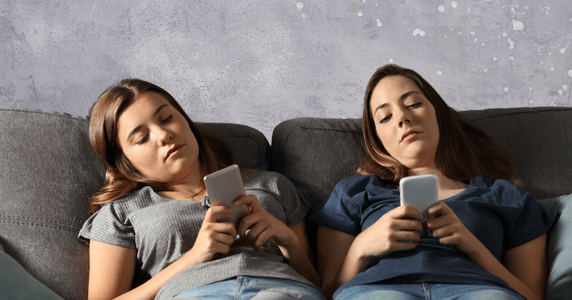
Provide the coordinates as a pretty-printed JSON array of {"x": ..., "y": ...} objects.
[{"x": 260, "y": 62}]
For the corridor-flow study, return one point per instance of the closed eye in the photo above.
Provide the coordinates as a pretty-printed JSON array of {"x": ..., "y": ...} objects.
[
  {"x": 385, "y": 119},
  {"x": 167, "y": 119},
  {"x": 143, "y": 139}
]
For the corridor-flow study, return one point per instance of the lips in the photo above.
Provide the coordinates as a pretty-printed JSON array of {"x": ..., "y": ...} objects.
[
  {"x": 406, "y": 134},
  {"x": 175, "y": 148}
]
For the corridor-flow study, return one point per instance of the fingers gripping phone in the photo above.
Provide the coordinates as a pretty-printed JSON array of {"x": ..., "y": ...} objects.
[
  {"x": 224, "y": 187},
  {"x": 419, "y": 191}
]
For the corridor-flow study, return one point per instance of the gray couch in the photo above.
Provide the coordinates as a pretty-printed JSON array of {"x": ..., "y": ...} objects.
[{"x": 48, "y": 171}]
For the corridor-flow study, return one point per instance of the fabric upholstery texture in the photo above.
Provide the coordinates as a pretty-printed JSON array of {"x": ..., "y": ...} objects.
[
  {"x": 315, "y": 153},
  {"x": 17, "y": 283},
  {"x": 539, "y": 139},
  {"x": 560, "y": 249},
  {"x": 48, "y": 171}
]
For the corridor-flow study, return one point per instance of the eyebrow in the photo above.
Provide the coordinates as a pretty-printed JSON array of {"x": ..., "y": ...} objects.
[
  {"x": 136, "y": 129},
  {"x": 403, "y": 97}
]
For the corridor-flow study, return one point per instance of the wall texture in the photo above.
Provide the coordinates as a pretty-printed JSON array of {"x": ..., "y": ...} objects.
[{"x": 260, "y": 62}]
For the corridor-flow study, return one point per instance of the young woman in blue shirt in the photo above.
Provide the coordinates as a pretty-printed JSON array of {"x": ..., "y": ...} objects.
[{"x": 485, "y": 238}]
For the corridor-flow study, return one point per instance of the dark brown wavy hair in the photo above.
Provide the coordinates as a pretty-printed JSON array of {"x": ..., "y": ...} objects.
[
  {"x": 122, "y": 177},
  {"x": 464, "y": 150}
]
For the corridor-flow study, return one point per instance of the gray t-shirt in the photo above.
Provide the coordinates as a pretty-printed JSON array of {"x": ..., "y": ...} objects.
[{"x": 162, "y": 230}]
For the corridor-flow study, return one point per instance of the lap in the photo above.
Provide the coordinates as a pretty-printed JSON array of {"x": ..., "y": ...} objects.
[
  {"x": 426, "y": 291},
  {"x": 253, "y": 288}
]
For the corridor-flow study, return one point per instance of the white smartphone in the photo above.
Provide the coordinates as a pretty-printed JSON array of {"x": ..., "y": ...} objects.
[
  {"x": 419, "y": 191},
  {"x": 224, "y": 187}
]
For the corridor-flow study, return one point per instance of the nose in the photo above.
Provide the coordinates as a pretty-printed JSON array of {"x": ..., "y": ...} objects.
[
  {"x": 163, "y": 136},
  {"x": 403, "y": 117}
]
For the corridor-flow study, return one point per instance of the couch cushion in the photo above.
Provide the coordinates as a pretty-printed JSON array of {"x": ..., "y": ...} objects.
[
  {"x": 47, "y": 172},
  {"x": 316, "y": 153},
  {"x": 251, "y": 148},
  {"x": 560, "y": 249},
  {"x": 540, "y": 141},
  {"x": 17, "y": 283}
]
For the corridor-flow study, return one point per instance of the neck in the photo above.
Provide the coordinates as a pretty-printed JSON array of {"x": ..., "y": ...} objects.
[{"x": 191, "y": 187}]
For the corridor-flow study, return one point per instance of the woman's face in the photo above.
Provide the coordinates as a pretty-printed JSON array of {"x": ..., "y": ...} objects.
[
  {"x": 405, "y": 122},
  {"x": 157, "y": 139}
]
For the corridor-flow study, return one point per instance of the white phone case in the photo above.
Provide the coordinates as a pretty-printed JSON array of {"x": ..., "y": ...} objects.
[
  {"x": 419, "y": 191},
  {"x": 224, "y": 187}
]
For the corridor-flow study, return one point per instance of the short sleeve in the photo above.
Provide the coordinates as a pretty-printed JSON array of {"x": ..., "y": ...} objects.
[
  {"x": 529, "y": 221},
  {"x": 342, "y": 210},
  {"x": 109, "y": 225},
  {"x": 294, "y": 204},
  {"x": 277, "y": 195}
]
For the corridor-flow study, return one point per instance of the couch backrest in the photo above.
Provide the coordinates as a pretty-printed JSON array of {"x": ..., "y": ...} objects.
[
  {"x": 48, "y": 171},
  {"x": 540, "y": 141},
  {"x": 316, "y": 153}
]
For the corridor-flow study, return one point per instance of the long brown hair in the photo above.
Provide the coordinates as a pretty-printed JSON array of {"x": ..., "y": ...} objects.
[
  {"x": 122, "y": 177},
  {"x": 464, "y": 149}
]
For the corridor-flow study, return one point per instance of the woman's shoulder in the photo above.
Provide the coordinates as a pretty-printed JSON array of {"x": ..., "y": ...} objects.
[
  {"x": 132, "y": 201},
  {"x": 501, "y": 188},
  {"x": 258, "y": 174},
  {"x": 272, "y": 189},
  {"x": 359, "y": 190},
  {"x": 266, "y": 180},
  {"x": 110, "y": 224},
  {"x": 482, "y": 182},
  {"x": 365, "y": 182}
]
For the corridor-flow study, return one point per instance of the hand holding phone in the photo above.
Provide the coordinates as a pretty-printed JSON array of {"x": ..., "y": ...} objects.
[
  {"x": 419, "y": 192},
  {"x": 224, "y": 187}
]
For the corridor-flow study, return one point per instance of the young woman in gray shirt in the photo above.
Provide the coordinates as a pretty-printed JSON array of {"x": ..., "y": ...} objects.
[{"x": 153, "y": 217}]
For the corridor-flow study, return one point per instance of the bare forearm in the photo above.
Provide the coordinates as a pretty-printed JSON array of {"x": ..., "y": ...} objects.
[
  {"x": 353, "y": 264},
  {"x": 150, "y": 288},
  {"x": 299, "y": 260},
  {"x": 485, "y": 259}
]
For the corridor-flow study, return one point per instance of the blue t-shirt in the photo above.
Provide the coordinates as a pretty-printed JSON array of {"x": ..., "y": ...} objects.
[{"x": 499, "y": 213}]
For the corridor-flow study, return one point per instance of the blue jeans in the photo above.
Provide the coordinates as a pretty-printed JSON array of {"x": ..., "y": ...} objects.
[
  {"x": 255, "y": 288},
  {"x": 427, "y": 291}
]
